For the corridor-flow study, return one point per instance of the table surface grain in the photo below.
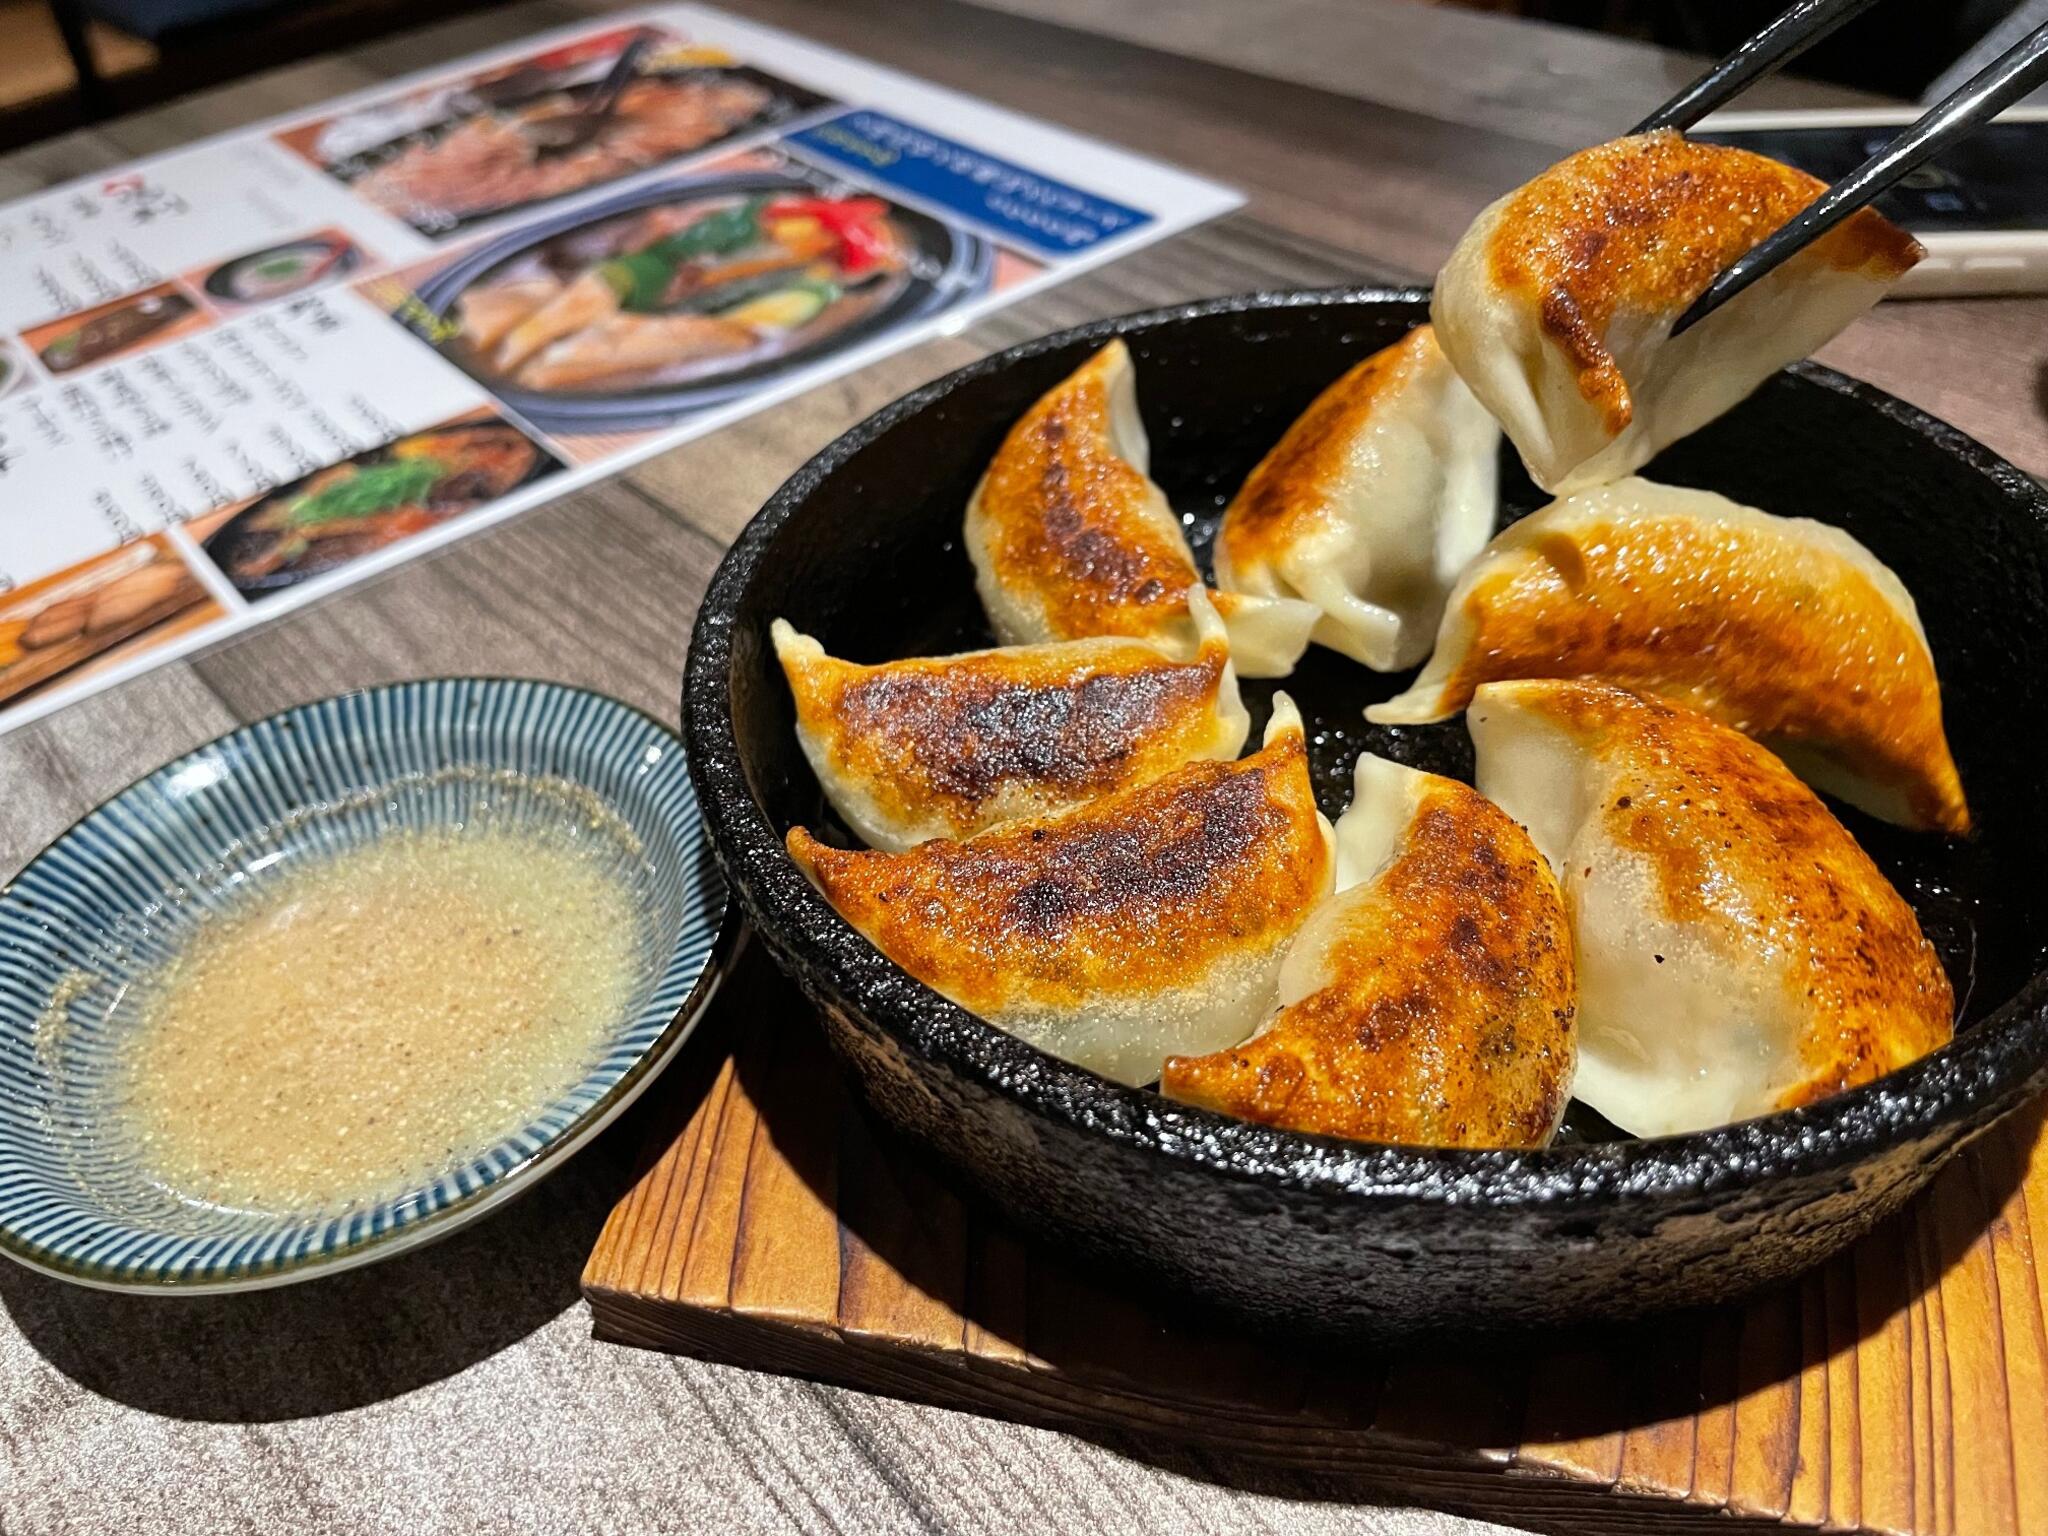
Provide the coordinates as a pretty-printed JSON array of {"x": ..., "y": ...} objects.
[{"x": 458, "y": 1389}]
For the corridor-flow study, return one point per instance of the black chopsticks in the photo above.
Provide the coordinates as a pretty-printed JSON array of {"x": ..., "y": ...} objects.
[
  {"x": 1984, "y": 95},
  {"x": 1769, "y": 51}
]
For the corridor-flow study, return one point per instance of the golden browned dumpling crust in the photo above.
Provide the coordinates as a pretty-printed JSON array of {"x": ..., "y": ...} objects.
[
  {"x": 1287, "y": 494},
  {"x": 1446, "y": 1017},
  {"x": 1743, "y": 851},
  {"x": 1644, "y": 224},
  {"x": 1071, "y": 540},
  {"x": 1066, "y": 523},
  {"x": 969, "y": 735},
  {"x": 1134, "y": 894},
  {"x": 953, "y": 744},
  {"x": 1789, "y": 645}
]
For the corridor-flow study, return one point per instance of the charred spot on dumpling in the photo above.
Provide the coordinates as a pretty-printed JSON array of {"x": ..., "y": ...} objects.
[
  {"x": 973, "y": 731},
  {"x": 1565, "y": 320}
]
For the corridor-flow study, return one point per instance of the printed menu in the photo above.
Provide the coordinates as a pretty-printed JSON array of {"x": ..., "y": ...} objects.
[{"x": 238, "y": 376}]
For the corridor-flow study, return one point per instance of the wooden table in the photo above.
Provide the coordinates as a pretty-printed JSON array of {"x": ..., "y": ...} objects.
[{"x": 459, "y": 1389}]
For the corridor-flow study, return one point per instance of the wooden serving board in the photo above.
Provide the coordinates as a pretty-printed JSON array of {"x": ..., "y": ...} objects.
[{"x": 1903, "y": 1387}]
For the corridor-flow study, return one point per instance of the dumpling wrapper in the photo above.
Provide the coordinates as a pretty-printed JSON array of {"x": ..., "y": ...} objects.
[
  {"x": 1787, "y": 629},
  {"x": 1556, "y": 306},
  {"x": 948, "y": 746},
  {"x": 1071, "y": 539},
  {"x": 1430, "y": 1002},
  {"x": 1149, "y": 922},
  {"x": 1370, "y": 505},
  {"x": 1738, "y": 953}
]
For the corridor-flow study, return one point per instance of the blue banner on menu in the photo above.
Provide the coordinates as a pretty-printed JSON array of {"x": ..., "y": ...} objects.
[{"x": 1034, "y": 210}]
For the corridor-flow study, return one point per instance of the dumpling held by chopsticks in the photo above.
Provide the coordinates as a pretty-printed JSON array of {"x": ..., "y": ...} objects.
[{"x": 1557, "y": 305}]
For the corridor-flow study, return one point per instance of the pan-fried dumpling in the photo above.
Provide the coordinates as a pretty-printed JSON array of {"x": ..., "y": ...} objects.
[
  {"x": 947, "y": 746},
  {"x": 1557, "y": 304},
  {"x": 1070, "y": 538},
  {"x": 1370, "y": 505},
  {"x": 1784, "y": 628},
  {"x": 1430, "y": 1001},
  {"x": 1738, "y": 953},
  {"x": 1148, "y": 922}
]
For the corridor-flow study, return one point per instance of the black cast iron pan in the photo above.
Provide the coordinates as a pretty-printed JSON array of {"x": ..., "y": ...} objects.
[{"x": 861, "y": 548}]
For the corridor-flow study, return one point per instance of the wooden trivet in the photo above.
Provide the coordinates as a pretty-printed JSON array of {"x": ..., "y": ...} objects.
[{"x": 1903, "y": 1387}]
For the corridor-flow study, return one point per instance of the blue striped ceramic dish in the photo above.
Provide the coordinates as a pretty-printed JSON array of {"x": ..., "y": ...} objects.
[{"x": 114, "y": 895}]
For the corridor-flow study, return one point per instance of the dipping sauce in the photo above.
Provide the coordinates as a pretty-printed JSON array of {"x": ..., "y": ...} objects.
[{"x": 361, "y": 1023}]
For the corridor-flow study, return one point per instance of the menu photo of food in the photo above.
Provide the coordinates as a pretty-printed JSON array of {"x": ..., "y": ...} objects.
[
  {"x": 153, "y": 315},
  {"x": 521, "y": 134},
  {"x": 96, "y": 613},
  {"x": 12, "y": 368},
  {"x": 280, "y": 270},
  {"x": 633, "y": 313},
  {"x": 370, "y": 502}
]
